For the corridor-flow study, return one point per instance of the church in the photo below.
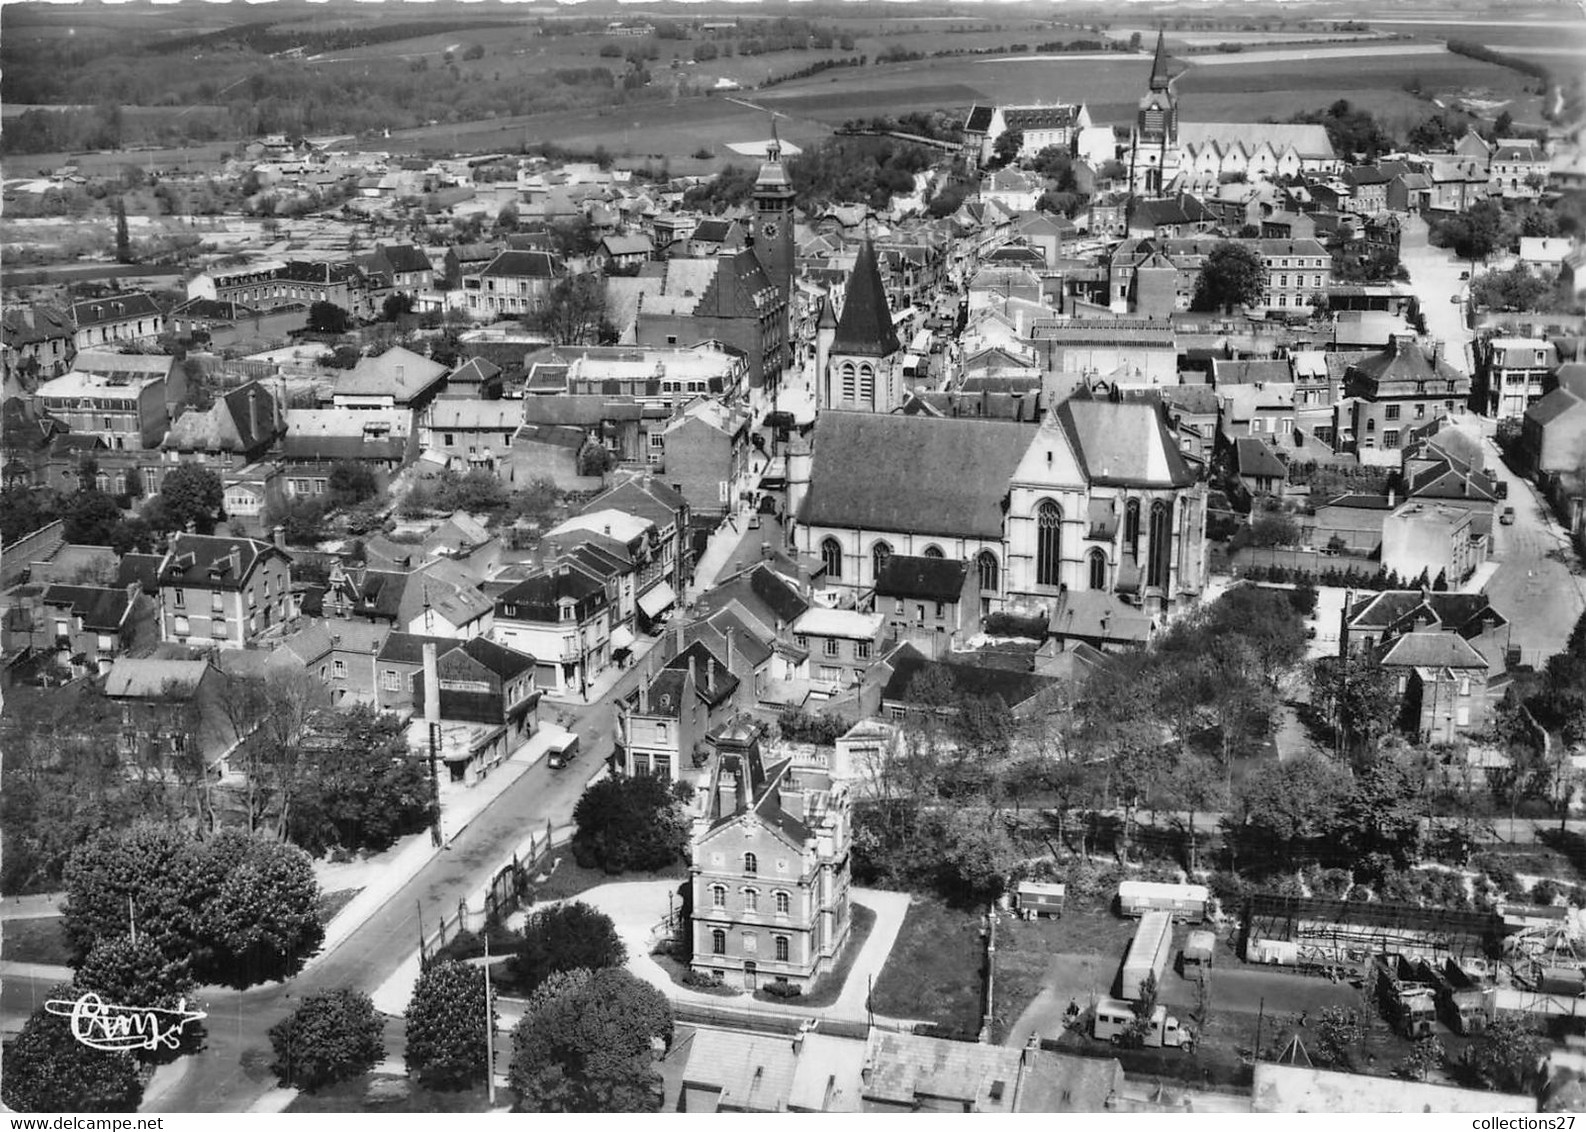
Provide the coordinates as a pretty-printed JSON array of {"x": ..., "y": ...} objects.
[
  {"x": 858, "y": 357},
  {"x": 1167, "y": 155},
  {"x": 1096, "y": 496}
]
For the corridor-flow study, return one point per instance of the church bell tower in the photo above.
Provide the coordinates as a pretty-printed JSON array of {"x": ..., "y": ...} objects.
[{"x": 773, "y": 218}]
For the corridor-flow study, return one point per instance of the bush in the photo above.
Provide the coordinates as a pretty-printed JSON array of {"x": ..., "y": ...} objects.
[
  {"x": 1012, "y": 625},
  {"x": 693, "y": 978},
  {"x": 1545, "y": 892},
  {"x": 445, "y": 1027},
  {"x": 332, "y": 1036},
  {"x": 781, "y": 989},
  {"x": 800, "y": 726},
  {"x": 565, "y": 937}
]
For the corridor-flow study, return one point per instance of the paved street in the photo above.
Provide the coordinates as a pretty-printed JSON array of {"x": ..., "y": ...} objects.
[
  {"x": 1434, "y": 277},
  {"x": 1538, "y": 584},
  {"x": 232, "y": 1072}
]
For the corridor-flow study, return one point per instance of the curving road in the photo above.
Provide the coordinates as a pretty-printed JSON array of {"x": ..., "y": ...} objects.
[{"x": 232, "y": 1072}]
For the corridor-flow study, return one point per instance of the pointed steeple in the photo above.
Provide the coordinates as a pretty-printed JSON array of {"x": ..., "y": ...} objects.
[
  {"x": 772, "y": 175},
  {"x": 1159, "y": 74},
  {"x": 865, "y": 327},
  {"x": 827, "y": 317}
]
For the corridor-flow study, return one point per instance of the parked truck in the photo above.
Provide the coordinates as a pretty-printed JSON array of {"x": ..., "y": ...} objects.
[
  {"x": 1410, "y": 1005},
  {"x": 1148, "y": 954},
  {"x": 1182, "y": 901},
  {"x": 1114, "y": 1018},
  {"x": 1464, "y": 997}
]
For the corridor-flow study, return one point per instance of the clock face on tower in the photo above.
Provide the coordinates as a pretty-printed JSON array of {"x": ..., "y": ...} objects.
[{"x": 769, "y": 229}]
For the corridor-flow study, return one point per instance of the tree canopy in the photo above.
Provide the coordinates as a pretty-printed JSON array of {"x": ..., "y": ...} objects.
[
  {"x": 587, "y": 1049},
  {"x": 240, "y": 909},
  {"x": 446, "y": 1046},
  {"x": 629, "y": 824},
  {"x": 48, "y": 1070},
  {"x": 188, "y": 493},
  {"x": 565, "y": 937},
  {"x": 332, "y": 1036},
  {"x": 1232, "y": 275},
  {"x": 573, "y": 312}
]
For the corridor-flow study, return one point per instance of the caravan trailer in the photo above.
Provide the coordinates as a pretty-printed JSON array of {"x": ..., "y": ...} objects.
[{"x": 1182, "y": 901}]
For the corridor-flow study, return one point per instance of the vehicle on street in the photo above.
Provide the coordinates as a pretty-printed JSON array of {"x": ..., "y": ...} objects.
[
  {"x": 1501, "y": 487},
  {"x": 562, "y": 751},
  {"x": 1184, "y": 901},
  {"x": 1507, "y": 517},
  {"x": 1115, "y": 1019},
  {"x": 1464, "y": 275}
]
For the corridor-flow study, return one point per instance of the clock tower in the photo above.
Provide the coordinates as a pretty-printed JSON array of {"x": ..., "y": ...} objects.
[{"x": 773, "y": 219}]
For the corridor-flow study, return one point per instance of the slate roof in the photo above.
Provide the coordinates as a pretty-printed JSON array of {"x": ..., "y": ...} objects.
[
  {"x": 1396, "y": 609},
  {"x": 523, "y": 264},
  {"x": 148, "y": 677},
  {"x": 1038, "y": 117},
  {"x": 1403, "y": 361},
  {"x": 507, "y": 663},
  {"x": 114, "y": 308},
  {"x": 143, "y": 569},
  {"x": 929, "y": 475},
  {"x": 1255, "y": 458},
  {"x": 1009, "y": 686},
  {"x": 325, "y": 449},
  {"x": 1123, "y": 443},
  {"x": 979, "y": 120},
  {"x": 408, "y": 648},
  {"x": 190, "y": 560},
  {"x": 1251, "y": 370},
  {"x": 1553, "y": 406},
  {"x": 405, "y": 258},
  {"x": 380, "y": 377},
  {"x": 762, "y": 591},
  {"x": 909, "y": 575},
  {"x": 475, "y": 371},
  {"x": 865, "y": 326},
  {"x": 102, "y": 608},
  {"x": 906, "y": 1069},
  {"x": 1431, "y": 650}
]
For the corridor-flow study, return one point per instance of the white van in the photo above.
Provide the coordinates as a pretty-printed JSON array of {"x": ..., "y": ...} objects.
[{"x": 562, "y": 751}]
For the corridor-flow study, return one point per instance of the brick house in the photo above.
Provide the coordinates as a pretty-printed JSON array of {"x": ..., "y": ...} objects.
[
  {"x": 769, "y": 869},
  {"x": 222, "y": 591}
]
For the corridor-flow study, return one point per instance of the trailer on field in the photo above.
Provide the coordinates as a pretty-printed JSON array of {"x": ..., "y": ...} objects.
[
  {"x": 1181, "y": 901},
  {"x": 1040, "y": 898}
]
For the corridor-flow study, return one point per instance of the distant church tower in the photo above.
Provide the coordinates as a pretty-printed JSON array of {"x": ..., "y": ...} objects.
[
  {"x": 773, "y": 219},
  {"x": 1155, "y": 143},
  {"x": 863, "y": 366}
]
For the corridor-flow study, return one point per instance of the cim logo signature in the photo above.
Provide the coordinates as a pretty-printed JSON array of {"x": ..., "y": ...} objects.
[{"x": 101, "y": 1025}]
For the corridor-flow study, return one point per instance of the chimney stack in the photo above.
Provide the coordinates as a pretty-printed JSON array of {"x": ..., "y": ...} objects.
[
  {"x": 710, "y": 675},
  {"x": 644, "y": 693},
  {"x": 731, "y": 650},
  {"x": 693, "y": 670},
  {"x": 678, "y": 643},
  {"x": 278, "y": 535},
  {"x": 1393, "y": 498}
]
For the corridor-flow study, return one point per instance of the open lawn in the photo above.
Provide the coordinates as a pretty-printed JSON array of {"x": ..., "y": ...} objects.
[
  {"x": 34, "y": 941},
  {"x": 568, "y": 878},
  {"x": 379, "y": 1093},
  {"x": 332, "y": 902},
  {"x": 935, "y": 971}
]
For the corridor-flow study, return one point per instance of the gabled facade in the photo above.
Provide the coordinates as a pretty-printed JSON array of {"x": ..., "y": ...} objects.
[
  {"x": 222, "y": 592},
  {"x": 118, "y": 318},
  {"x": 769, "y": 870},
  {"x": 562, "y": 617}
]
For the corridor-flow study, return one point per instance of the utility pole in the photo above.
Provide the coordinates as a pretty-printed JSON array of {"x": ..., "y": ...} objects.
[{"x": 432, "y": 719}]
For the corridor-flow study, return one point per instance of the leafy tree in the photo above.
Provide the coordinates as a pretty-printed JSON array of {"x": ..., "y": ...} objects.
[
  {"x": 1506, "y": 1056},
  {"x": 1516, "y": 289},
  {"x": 1006, "y": 147},
  {"x": 1425, "y": 1055},
  {"x": 123, "y": 238},
  {"x": 629, "y": 824},
  {"x": 332, "y": 1036},
  {"x": 395, "y": 307},
  {"x": 138, "y": 973},
  {"x": 1378, "y": 819},
  {"x": 241, "y": 909},
  {"x": 446, "y": 1027},
  {"x": 1281, "y": 814},
  {"x": 566, "y": 937},
  {"x": 190, "y": 493},
  {"x": 588, "y": 1050},
  {"x": 507, "y": 218},
  {"x": 24, "y": 510},
  {"x": 48, "y": 1070},
  {"x": 1232, "y": 275},
  {"x": 326, "y": 317},
  {"x": 350, "y": 483},
  {"x": 1339, "y": 1032},
  {"x": 973, "y": 856},
  {"x": 130, "y": 535},
  {"x": 1274, "y": 528},
  {"x": 91, "y": 516},
  {"x": 1350, "y": 129},
  {"x": 1474, "y": 234},
  {"x": 302, "y": 518},
  {"x": 573, "y": 313}
]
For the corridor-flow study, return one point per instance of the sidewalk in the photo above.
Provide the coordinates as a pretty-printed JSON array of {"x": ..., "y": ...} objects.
[
  {"x": 600, "y": 687},
  {"x": 39, "y": 906},
  {"x": 388, "y": 872}
]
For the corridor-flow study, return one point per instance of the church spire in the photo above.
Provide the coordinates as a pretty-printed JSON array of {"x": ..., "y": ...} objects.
[{"x": 1159, "y": 76}]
